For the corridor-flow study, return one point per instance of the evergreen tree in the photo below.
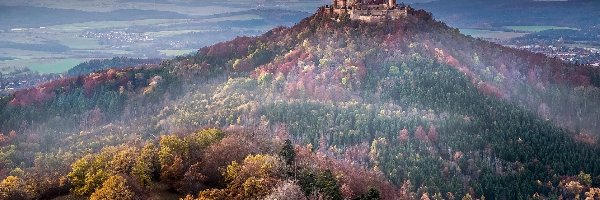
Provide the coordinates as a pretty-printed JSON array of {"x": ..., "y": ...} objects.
[
  {"x": 287, "y": 152},
  {"x": 328, "y": 185},
  {"x": 372, "y": 194}
]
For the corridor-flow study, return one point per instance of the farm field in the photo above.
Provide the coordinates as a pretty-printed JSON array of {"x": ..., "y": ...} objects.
[
  {"x": 194, "y": 25},
  {"x": 168, "y": 52},
  {"x": 491, "y": 34},
  {"x": 538, "y": 28},
  {"x": 56, "y": 65},
  {"x": 56, "y": 48}
]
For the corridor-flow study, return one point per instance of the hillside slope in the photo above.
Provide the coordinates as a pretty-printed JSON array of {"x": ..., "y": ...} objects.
[{"x": 327, "y": 108}]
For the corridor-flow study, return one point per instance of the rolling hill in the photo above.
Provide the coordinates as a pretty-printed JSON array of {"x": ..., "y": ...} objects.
[{"x": 328, "y": 108}]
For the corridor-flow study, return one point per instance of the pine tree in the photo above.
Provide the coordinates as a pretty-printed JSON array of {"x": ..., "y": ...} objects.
[
  {"x": 329, "y": 186},
  {"x": 372, "y": 194},
  {"x": 287, "y": 152}
]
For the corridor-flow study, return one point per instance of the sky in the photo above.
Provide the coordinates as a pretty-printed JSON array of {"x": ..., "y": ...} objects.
[{"x": 109, "y": 5}]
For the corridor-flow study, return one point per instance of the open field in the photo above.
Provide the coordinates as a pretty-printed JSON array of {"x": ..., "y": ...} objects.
[
  {"x": 169, "y": 52},
  {"x": 537, "y": 28},
  {"x": 56, "y": 65},
  {"x": 107, "y": 6},
  {"x": 173, "y": 33},
  {"x": 74, "y": 42},
  {"x": 194, "y": 25},
  {"x": 233, "y": 18},
  {"x": 43, "y": 65},
  {"x": 584, "y": 46},
  {"x": 489, "y": 34},
  {"x": 77, "y": 27},
  {"x": 18, "y": 54},
  {"x": 159, "y": 38},
  {"x": 197, "y": 8},
  {"x": 104, "y": 51}
]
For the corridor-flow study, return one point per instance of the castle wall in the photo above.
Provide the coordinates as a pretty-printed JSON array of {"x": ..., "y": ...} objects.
[
  {"x": 368, "y": 12},
  {"x": 376, "y": 15}
]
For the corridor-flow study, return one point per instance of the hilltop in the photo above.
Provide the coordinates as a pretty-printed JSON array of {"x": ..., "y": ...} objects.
[{"x": 331, "y": 107}]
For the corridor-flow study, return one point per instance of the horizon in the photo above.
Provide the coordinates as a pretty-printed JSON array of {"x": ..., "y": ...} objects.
[{"x": 72, "y": 21}]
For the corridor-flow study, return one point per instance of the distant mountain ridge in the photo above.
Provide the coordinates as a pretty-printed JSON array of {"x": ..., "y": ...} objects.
[
  {"x": 35, "y": 17},
  {"x": 465, "y": 14}
]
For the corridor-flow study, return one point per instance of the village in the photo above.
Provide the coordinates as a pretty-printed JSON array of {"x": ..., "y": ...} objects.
[
  {"x": 22, "y": 78},
  {"x": 579, "y": 55}
]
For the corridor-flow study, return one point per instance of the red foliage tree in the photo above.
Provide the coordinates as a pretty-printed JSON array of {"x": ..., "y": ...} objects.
[
  {"x": 403, "y": 135},
  {"x": 432, "y": 134},
  {"x": 7, "y": 139},
  {"x": 354, "y": 179},
  {"x": 421, "y": 135},
  {"x": 231, "y": 148},
  {"x": 32, "y": 96}
]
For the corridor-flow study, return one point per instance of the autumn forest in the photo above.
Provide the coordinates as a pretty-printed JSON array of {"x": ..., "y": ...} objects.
[{"x": 325, "y": 109}]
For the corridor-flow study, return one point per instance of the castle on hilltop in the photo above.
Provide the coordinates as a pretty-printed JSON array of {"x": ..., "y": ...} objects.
[{"x": 368, "y": 10}]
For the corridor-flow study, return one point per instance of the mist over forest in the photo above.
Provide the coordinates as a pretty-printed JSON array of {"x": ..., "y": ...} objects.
[{"x": 297, "y": 100}]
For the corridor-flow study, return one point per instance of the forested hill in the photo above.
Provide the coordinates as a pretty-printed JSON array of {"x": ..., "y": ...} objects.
[{"x": 328, "y": 108}]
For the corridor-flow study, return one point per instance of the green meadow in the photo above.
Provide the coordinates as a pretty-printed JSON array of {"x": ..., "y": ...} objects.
[
  {"x": 56, "y": 65},
  {"x": 489, "y": 34},
  {"x": 537, "y": 28},
  {"x": 169, "y": 52}
]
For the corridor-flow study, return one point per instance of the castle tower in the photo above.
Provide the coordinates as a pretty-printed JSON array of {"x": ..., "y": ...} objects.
[{"x": 368, "y": 10}]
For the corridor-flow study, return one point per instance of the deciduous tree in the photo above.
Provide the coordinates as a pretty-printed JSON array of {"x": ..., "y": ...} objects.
[{"x": 115, "y": 187}]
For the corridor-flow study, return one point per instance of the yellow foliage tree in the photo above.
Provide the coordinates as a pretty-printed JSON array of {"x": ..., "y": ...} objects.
[
  {"x": 115, "y": 187},
  {"x": 13, "y": 187},
  {"x": 85, "y": 176},
  {"x": 171, "y": 146},
  {"x": 592, "y": 194},
  {"x": 467, "y": 197},
  {"x": 145, "y": 165},
  {"x": 253, "y": 179},
  {"x": 205, "y": 137},
  {"x": 88, "y": 173},
  {"x": 254, "y": 188}
]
